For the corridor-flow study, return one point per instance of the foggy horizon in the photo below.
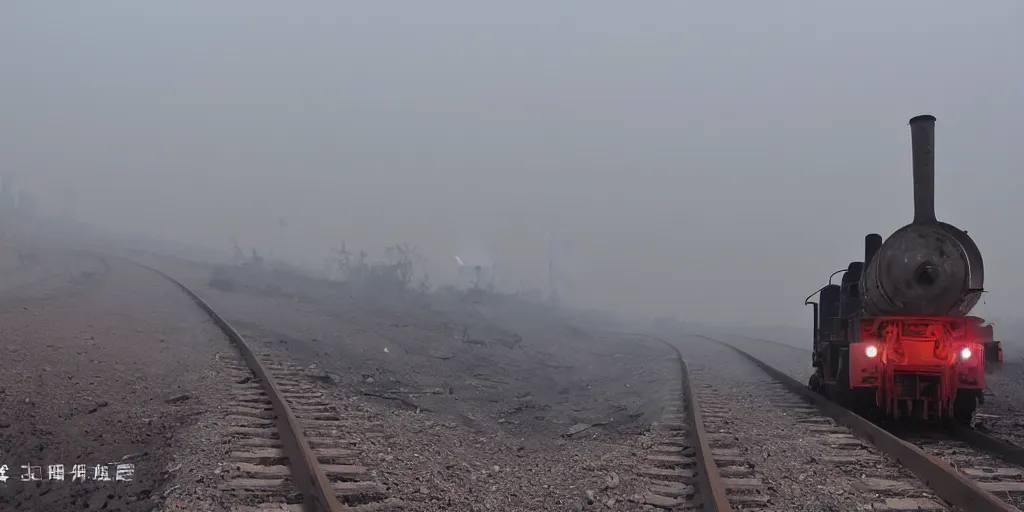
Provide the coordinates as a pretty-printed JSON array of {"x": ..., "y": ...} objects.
[{"x": 697, "y": 163}]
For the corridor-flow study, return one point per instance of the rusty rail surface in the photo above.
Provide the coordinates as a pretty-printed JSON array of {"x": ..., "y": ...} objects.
[
  {"x": 935, "y": 473},
  {"x": 713, "y": 491},
  {"x": 712, "y": 487},
  {"x": 308, "y": 476}
]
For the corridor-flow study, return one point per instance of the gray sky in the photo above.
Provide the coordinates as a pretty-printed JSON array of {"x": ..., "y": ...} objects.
[{"x": 706, "y": 160}]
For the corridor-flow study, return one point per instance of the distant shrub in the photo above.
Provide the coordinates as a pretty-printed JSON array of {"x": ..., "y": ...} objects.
[{"x": 397, "y": 272}]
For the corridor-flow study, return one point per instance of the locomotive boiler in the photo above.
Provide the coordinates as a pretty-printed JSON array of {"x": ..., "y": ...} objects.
[{"x": 895, "y": 338}]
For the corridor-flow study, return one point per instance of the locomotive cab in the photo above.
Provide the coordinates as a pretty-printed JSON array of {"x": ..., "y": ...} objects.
[
  {"x": 993, "y": 348},
  {"x": 994, "y": 353}
]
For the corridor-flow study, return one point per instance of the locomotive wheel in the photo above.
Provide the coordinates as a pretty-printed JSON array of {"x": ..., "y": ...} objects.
[
  {"x": 816, "y": 383},
  {"x": 839, "y": 394},
  {"x": 964, "y": 406},
  {"x": 865, "y": 404}
]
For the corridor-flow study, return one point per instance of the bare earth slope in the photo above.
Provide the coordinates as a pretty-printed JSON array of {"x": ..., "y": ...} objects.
[{"x": 487, "y": 403}]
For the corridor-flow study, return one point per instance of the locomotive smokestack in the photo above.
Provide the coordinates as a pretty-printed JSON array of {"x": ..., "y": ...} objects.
[{"x": 922, "y": 139}]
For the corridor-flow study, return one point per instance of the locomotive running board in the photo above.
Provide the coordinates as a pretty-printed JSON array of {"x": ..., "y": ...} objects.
[{"x": 939, "y": 476}]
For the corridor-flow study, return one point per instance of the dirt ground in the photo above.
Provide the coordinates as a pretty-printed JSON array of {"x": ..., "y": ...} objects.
[
  {"x": 485, "y": 402},
  {"x": 101, "y": 364}
]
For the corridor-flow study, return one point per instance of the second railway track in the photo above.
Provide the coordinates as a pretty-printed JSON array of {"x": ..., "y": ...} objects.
[
  {"x": 992, "y": 463},
  {"x": 755, "y": 447},
  {"x": 966, "y": 470},
  {"x": 290, "y": 447}
]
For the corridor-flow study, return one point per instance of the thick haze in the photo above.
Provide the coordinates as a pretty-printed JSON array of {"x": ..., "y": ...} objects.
[{"x": 704, "y": 160}]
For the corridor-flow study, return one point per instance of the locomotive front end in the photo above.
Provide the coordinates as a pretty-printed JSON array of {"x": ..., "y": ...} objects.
[{"x": 923, "y": 367}]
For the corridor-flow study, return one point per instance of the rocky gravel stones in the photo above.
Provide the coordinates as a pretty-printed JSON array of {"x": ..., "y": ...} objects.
[{"x": 87, "y": 365}]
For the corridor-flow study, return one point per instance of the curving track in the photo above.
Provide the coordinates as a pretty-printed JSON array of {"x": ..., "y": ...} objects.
[
  {"x": 968, "y": 469},
  {"x": 682, "y": 466},
  {"x": 288, "y": 442}
]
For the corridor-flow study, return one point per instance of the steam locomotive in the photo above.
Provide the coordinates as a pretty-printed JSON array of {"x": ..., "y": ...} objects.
[{"x": 895, "y": 338}]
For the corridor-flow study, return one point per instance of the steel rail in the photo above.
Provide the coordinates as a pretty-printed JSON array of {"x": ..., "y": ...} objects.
[
  {"x": 308, "y": 476},
  {"x": 712, "y": 488},
  {"x": 713, "y": 491},
  {"x": 935, "y": 473}
]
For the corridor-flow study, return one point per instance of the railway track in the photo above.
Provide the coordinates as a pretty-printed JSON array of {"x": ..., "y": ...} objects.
[
  {"x": 291, "y": 449},
  {"x": 744, "y": 489},
  {"x": 734, "y": 458},
  {"x": 970, "y": 470},
  {"x": 681, "y": 465}
]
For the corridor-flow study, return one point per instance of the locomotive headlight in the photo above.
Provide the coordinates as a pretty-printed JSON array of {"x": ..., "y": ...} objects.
[
  {"x": 965, "y": 353},
  {"x": 871, "y": 351}
]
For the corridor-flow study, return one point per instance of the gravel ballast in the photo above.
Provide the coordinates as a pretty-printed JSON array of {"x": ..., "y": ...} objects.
[
  {"x": 802, "y": 460},
  {"x": 105, "y": 365}
]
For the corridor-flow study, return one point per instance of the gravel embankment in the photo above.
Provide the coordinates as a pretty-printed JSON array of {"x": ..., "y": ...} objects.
[
  {"x": 106, "y": 365},
  {"x": 487, "y": 404},
  {"x": 801, "y": 465}
]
